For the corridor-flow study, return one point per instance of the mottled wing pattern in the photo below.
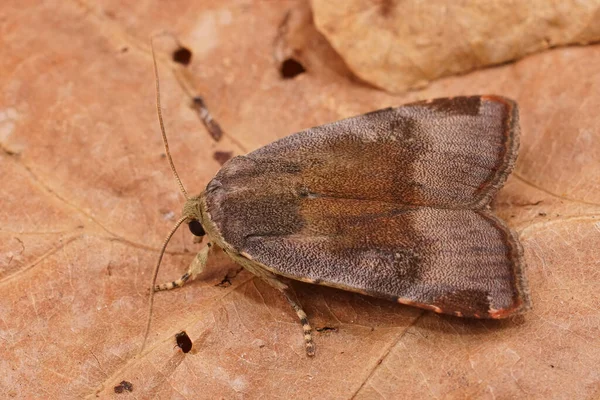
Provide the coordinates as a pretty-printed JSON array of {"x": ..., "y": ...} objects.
[{"x": 390, "y": 203}]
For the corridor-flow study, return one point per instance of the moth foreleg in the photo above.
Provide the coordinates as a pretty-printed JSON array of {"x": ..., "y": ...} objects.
[{"x": 196, "y": 267}]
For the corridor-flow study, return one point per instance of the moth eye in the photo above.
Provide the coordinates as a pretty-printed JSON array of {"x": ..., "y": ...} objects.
[{"x": 196, "y": 228}]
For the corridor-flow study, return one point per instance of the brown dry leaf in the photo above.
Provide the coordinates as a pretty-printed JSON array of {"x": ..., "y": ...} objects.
[
  {"x": 87, "y": 197},
  {"x": 399, "y": 45}
]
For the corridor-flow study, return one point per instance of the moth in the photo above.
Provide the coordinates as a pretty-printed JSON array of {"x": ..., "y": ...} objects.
[{"x": 392, "y": 204}]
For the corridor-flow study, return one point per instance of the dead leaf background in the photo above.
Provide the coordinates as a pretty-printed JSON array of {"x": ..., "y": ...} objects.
[
  {"x": 87, "y": 197},
  {"x": 398, "y": 45}
]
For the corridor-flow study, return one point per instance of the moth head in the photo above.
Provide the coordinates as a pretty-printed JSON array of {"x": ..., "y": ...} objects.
[{"x": 191, "y": 210}]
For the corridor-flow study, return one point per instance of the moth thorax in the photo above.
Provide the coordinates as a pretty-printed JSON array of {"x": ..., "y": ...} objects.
[{"x": 191, "y": 209}]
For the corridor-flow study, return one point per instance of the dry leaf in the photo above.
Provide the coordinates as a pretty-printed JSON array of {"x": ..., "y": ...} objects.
[
  {"x": 399, "y": 45},
  {"x": 87, "y": 198}
]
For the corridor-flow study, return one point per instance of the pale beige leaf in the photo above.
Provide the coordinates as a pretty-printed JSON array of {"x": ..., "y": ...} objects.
[{"x": 399, "y": 45}]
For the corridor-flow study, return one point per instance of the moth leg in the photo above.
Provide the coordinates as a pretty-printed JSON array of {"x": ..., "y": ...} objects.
[
  {"x": 308, "y": 341},
  {"x": 196, "y": 267},
  {"x": 289, "y": 294}
]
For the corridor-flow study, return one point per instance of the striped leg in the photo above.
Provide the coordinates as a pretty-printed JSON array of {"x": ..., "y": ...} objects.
[
  {"x": 308, "y": 342},
  {"x": 196, "y": 267}
]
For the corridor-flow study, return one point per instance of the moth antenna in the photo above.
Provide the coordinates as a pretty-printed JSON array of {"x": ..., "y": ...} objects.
[
  {"x": 162, "y": 124},
  {"x": 155, "y": 274}
]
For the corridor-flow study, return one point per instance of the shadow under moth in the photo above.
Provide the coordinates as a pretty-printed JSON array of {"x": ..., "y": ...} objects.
[{"x": 392, "y": 204}]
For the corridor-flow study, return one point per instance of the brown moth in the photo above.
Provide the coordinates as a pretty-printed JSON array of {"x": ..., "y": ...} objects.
[{"x": 392, "y": 204}]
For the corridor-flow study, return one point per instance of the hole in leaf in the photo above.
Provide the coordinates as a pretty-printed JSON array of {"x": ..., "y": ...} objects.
[
  {"x": 183, "y": 341},
  {"x": 291, "y": 68},
  {"x": 182, "y": 56}
]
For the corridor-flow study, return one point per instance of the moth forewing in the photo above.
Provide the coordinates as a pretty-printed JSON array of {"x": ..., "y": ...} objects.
[{"x": 391, "y": 203}]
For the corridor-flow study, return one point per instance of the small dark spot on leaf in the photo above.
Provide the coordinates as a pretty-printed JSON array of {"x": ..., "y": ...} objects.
[
  {"x": 542, "y": 214},
  {"x": 552, "y": 366},
  {"x": 124, "y": 386},
  {"x": 183, "y": 341},
  {"x": 291, "y": 68},
  {"x": 326, "y": 329},
  {"x": 124, "y": 49},
  {"x": 213, "y": 127},
  {"x": 182, "y": 56},
  {"x": 222, "y": 156},
  {"x": 225, "y": 282}
]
